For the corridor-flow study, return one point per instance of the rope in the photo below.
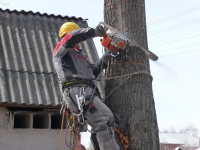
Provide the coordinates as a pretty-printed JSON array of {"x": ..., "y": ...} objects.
[
  {"x": 61, "y": 129},
  {"x": 131, "y": 62},
  {"x": 124, "y": 140},
  {"x": 129, "y": 75},
  {"x": 74, "y": 131}
]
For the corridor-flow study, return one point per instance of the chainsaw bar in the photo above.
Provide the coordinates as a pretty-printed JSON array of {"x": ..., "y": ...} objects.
[{"x": 150, "y": 54}]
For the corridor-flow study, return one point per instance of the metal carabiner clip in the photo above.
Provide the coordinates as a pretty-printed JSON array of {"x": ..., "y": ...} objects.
[{"x": 80, "y": 118}]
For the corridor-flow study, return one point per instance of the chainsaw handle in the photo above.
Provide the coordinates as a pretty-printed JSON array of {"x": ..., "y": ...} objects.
[
  {"x": 114, "y": 53},
  {"x": 108, "y": 27},
  {"x": 101, "y": 29}
]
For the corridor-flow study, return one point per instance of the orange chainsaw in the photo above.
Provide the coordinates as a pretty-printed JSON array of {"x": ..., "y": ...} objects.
[{"x": 117, "y": 42}]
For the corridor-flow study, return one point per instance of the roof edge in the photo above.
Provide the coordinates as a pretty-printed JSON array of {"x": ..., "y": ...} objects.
[
  {"x": 6, "y": 104},
  {"x": 43, "y": 14}
]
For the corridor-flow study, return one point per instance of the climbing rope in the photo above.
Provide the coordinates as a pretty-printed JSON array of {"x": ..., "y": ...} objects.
[
  {"x": 74, "y": 131},
  {"x": 75, "y": 124},
  {"x": 129, "y": 75},
  {"x": 124, "y": 140},
  {"x": 63, "y": 115}
]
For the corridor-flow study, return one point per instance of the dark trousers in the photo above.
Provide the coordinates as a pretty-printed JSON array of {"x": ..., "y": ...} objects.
[{"x": 98, "y": 116}]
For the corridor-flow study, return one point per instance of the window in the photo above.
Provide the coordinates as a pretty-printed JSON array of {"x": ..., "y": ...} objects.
[
  {"x": 37, "y": 119},
  {"x": 56, "y": 120},
  {"x": 21, "y": 120},
  {"x": 40, "y": 121}
]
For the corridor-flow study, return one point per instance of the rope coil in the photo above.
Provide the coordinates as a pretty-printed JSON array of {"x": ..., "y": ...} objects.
[{"x": 73, "y": 128}]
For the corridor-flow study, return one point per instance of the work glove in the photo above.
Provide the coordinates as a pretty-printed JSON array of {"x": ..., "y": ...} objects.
[{"x": 100, "y": 31}]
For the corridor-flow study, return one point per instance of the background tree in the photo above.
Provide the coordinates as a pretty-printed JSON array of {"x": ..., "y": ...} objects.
[
  {"x": 4, "y": 2},
  {"x": 128, "y": 80},
  {"x": 188, "y": 129}
]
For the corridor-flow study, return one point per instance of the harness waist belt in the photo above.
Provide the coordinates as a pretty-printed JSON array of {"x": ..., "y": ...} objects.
[{"x": 84, "y": 83}]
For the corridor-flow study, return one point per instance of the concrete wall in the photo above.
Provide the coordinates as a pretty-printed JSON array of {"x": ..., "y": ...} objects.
[
  {"x": 31, "y": 139},
  {"x": 27, "y": 139}
]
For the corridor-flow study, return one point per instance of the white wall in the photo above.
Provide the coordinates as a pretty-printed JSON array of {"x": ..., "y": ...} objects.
[
  {"x": 2, "y": 118},
  {"x": 27, "y": 139},
  {"x": 31, "y": 139}
]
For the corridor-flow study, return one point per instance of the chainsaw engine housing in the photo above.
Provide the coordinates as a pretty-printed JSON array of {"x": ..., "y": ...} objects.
[
  {"x": 118, "y": 40},
  {"x": 115, "y": 42}
]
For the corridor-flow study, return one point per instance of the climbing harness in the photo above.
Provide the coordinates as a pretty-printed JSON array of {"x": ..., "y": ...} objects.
[
  {"x": 81, "y": 101},
  {"x": 74, "y": 127},
  {"x": 75, "y": 121}
]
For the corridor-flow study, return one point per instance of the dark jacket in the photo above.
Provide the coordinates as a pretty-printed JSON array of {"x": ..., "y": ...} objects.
[{"x": 70, "y": 63}]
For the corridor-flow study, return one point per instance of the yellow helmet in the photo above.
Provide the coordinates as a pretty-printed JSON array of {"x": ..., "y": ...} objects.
[{"x": 67, "y": 27}]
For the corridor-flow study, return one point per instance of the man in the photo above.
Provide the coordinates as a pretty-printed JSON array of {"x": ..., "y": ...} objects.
[{"x": 76, "y": 74}]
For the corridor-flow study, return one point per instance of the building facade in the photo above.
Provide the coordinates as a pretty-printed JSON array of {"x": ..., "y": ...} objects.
[
  {"x": 171, "y": 141},
  {"x": 30, "y": 94}
]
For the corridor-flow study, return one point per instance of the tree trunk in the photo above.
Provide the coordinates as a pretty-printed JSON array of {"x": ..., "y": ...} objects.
[{"x": 128, "y": 80}]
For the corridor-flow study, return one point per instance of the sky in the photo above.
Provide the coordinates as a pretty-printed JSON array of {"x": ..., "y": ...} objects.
[{"x": 173, "y": 30}]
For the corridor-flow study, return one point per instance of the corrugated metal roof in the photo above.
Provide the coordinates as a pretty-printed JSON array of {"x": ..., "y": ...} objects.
[
  {"x": 27, "y": 39},
  {"x": 43, "y": 14}
]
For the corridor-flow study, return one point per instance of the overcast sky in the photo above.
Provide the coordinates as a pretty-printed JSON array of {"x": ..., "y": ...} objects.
[{"x": 173, "y": 34}]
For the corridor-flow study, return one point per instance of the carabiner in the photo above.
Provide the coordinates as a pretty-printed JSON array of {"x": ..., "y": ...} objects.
[{"x": 80, "y": 119}]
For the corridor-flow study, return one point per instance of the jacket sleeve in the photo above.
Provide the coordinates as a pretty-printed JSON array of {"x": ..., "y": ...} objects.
[
  {"x": 73, "y": 38},
  {"x": 101, "y": 64},
  {"x": 98, "y": 67},
  {"x": 67, "y": 43}
]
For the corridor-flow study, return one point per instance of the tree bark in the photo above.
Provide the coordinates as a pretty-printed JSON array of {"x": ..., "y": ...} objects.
[{"x": 128, "y": 81}]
